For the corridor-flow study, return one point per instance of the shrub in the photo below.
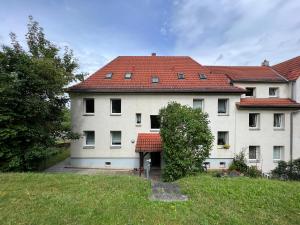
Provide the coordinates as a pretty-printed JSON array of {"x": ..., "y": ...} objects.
[
  {"x": 253, "y": 172},
  {"x": 239, "y": 163},
  {"x": 287, "y": 170},
  {"x": 187, "y": 140}
]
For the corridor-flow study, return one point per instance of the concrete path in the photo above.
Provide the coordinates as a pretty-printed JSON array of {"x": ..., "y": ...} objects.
[{"x": 167, "y": 192}]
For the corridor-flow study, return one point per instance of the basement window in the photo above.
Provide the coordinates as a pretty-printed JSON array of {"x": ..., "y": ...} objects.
[
  {"x": 222, "y": 165},
  {"x": 128, "y": 76},
  {"x": 108, "y": 75},
  {"x": 155, "y": 79},
  {"x": 180, "y": 76}
]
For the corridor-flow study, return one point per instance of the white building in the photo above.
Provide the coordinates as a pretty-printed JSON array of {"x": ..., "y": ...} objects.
[{"x": 250, "y": 109}]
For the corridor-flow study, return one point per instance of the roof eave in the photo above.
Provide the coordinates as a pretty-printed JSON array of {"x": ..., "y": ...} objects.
[{"x": 290, "y": 107}]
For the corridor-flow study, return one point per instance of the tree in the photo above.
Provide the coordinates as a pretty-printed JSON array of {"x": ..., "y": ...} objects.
[
  {"x": 32, "y": 99},
  {"x": 187, "y": 140}
]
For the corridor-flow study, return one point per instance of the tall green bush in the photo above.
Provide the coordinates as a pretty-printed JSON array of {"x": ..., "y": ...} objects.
[{"x": 187, "y": 140}]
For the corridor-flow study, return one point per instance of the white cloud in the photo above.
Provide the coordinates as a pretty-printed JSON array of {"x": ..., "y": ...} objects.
[{"x": 236, "y": 32}]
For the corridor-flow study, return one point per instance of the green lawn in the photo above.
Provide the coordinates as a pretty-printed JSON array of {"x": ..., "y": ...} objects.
[{"x": 99, "y": 199}]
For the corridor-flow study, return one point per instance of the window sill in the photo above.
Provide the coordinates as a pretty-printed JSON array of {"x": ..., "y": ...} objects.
[
  {"x": 154, "y": 130},
  {"x": 273, "y": 97},
  {"x": 115, "y": 146},
  {"x": 116, "y": 114},
  {"x": 88, "y": 147},
  {"x": 254, "y": 128},
  {"x": 278, "y": 129},
  {"x": 253, "y": 160},
  {"x": 276, "y": 160},
  {"x": 138, "y": 125},
  {"x": 88, "y": 114},
  {"x": 223, "y": 114},
  {"x": 222, "y": 147}
]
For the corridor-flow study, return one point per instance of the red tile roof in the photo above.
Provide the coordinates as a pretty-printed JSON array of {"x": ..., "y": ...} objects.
[
  {"x": 148, "y": 142},
  {"x": 290, "y": 68},
  {"x": 249, "y": 73},
  {"x": 165, "y": 67},
  {"x": 267, "y": 103}
]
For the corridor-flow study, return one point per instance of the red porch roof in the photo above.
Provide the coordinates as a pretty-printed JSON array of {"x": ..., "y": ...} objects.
[
  {"x": 148, "y": 142},
  {"x": 284, "y": 103}
]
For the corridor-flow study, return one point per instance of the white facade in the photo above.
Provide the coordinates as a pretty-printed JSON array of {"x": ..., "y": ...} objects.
[{"x": 235, "y": 122}]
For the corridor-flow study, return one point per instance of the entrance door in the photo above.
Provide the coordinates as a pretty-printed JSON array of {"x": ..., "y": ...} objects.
[{"x": 155, "y": 159}]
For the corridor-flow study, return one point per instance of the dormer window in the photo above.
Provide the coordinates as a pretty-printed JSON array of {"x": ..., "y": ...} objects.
[
  {"x": 128, "y": 76},
  {"x": 155, "y": 79},
  {"x": 180, "y": 76},
  {"x": 202, "y": 76},
  {"x": 108, "y": 75}
]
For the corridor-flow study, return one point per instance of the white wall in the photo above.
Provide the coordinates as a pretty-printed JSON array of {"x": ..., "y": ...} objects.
[
  {"x": 266, "y": 136},
  {"x": 146, "y": 104},
  {"x": 236, "y": 123},
  {"x": 262, "y": 89}
]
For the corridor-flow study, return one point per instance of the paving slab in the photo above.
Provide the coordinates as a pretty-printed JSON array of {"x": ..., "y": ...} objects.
[{"x": 167, "y": 192}]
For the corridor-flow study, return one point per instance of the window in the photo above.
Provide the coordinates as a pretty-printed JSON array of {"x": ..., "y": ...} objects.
[
  {"x": 89, "y": 138},
  {"x": 138, "y": 118},
  {"x": 107, "y": 163},
  {"x": 180, "y": 76},
  {"x": 198, "y": 104},
  {"x": 115, "y": 106},
  {"x": 273, "y": 92},
  {"x": 222, "y": 165},
  {"x": 89, "y": 105},
  {"x": 222, "y": 137},
  {"x": 222, "y": 106},
  {"x": 108, "y": 75},
  {"x": 155, "y": 121},
  {"x": 278, "y": 120},
  {"x": 128, "y": 76},
  {"x": 115, "y": 138},
  {"x": 250, "y": 92},
  {"x": 278, "y": 153},
  {"x": 155, "y": 79},
  {"x": 254, "y": 120},
  {"x": 202, "y": 76},
  {"x": 254, "y": 153}
]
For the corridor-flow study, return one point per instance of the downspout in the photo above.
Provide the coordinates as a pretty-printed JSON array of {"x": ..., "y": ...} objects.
[{"x": 291, "y": 135}]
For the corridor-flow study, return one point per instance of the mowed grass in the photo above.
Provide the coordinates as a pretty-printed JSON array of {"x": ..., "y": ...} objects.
[{"x": 37, "y": 198}]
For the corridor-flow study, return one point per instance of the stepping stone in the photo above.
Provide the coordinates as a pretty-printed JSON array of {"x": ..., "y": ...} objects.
[{"x": 167, "y": 192}]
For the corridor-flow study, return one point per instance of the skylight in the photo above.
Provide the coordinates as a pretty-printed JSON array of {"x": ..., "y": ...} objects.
[
  {"x": 128, "y": 75},
  {"x": 155, "y": 79},
  {"x": 180, "y": 76},
  {"x": 108, "y": 75},
  {"x": 202, "y": 76}
]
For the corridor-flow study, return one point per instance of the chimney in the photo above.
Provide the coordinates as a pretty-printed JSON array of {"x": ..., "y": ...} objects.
[
  {"x": 153, "y": 54},
  {"x": 265, "y": 63}
]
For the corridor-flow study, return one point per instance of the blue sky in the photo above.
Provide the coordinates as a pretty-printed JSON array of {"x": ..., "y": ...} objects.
[{"x": 219, "y": 32}]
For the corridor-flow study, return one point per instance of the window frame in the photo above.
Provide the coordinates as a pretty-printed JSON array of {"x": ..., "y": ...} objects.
[
  {"x": 111, "y": 107},
  {"x": 84, "y": 107},
  {"x": 128, "y": 76},
  {"x": 111, "y": 139},
  {"x": 85, "y": 145},
  {"x": 257, "y": 154},
  {"x": 254, "y": 92},
  {"x": 226, "y": 139},
  {"x": 276, "y": 92},
  {"x": 257, "y": 127},
  {"x": 154, "y": 129},
  {"x": 281, "y": 153},
  {"x": 282, "y": 121},
  {"x": 154, "y": 79},
  {"x": 226, "y": 107},
  {"x": 136, "y": 119},
  {"x": 202, "y": 105}
]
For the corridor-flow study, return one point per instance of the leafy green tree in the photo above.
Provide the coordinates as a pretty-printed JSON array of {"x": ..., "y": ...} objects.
[
  {"x": 32, "y": 100},
  {"x": 187, "y": 140}
]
